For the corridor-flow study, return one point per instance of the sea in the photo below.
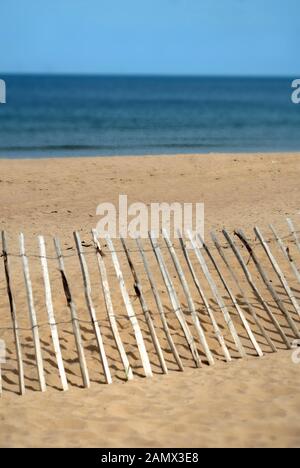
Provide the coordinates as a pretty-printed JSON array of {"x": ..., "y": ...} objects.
[{"x": 61, "y": 116}]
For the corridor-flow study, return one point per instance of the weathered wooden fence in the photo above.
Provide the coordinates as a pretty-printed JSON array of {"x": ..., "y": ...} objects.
[{"x": 187, "y": 303}]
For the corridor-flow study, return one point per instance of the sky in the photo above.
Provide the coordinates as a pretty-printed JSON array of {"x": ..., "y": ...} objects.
[{"x": 170, "y": 37}]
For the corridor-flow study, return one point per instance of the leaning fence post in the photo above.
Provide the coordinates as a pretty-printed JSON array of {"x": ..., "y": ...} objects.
[
  {"x": 109, "y": 306},
  {"x": 209, "y": 311},
  {"x": 174, "y": 299},
  {"x": 278, "y": 270},
  {"x": 246, "y": 300},
  {"x": 91, "y": 308},
  {"x": 255, "y": 289},
  {"x": 268, "y": 284},
  {"x": 130, "y": 311},
  {"x": 293, "y": 232},
  {"x": 286, "y": 252},
  {"x": 139, "y": 291},
  {"x": 188, "y": 296},
  {"x": 159, "y": 305},
  {"x": 233, "y": 299},
  {"x": 50, "y": 312},
  {"x": 73, "y": 311},
  {"x": 13, "y": 313},
  {"x": 217, "y": 296},
  {"x": 32, "y": 314}
]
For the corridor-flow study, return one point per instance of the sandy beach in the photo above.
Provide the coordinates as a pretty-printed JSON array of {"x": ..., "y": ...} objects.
[{"x": 252, "y": 402}]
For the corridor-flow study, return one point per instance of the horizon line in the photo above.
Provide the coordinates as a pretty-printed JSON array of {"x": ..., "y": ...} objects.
[{"x": 148, "y": 75}]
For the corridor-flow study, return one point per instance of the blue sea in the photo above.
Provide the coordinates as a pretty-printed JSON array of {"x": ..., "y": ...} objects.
[{"x": 58, "y": 116}]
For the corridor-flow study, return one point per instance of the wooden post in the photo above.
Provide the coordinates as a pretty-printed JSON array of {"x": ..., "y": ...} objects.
[
  {"x": 159, "y": 305},
  {"x": 268, "y": 283},
  {"x": 293, "y": 232},
  {"x": 278, "y": 270},
  {"x": 254, "y": 288},
  {"x": 130, "y": 311},
  {"x": 249, "y": 306},
  {"x": 174, "y": 300},
  {"x": 32, "y": 314},
  {"x": 139, "y": 292},
  {"x": 50, "y": 312},
  {"x": 234, "y": 301},
  {"x": 217, "y": 296},
  {"x": 91, "y": 308},
  {"x": 286, "y": 252},
  {"x": 209, "y": 310},
  {"x": 189, "y": 299},
  {"x": 74, "y": 318},
  {"x": 109, "y": 307},
  {"x": 13, "y": 313}
]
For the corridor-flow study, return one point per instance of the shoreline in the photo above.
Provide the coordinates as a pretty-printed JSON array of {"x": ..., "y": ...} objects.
[{"x": 152, "y": 155}]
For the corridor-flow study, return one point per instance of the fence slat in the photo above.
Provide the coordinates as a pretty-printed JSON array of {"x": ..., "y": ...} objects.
[
  {"x": 32, "y": 314},
  {"x": 293, "y": 232},
  {"x": 13, "y": 313},
  {"x": 209, "y": 310},
  {"x": 73, "y": 311},
  {"x": 246, "y": 300},
  {"x": 159, "y": 305},
  {"x": 50, "y": 312},
  {"x": 217, "y": 296},
  {"x": 255, "y": 289},
  {"x": 278, "y": 270},
  {"x": 139, "y": 291},
  {"x": 233, "y": 300},
  {"x": 188, "y": 296},
  {"x": 286, "y": 252},
  {"x": 210, "y": 266},
  {"x": 174, "y": 299},
  {"x": 130, "y": 311},
  {"x": 109, "y": 307},
  {"x": 268, "y": 283},
  {"x": 91, "y": 308}
]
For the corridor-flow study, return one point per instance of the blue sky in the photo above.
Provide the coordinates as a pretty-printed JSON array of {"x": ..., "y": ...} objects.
[{"x": 201, "y": 37}]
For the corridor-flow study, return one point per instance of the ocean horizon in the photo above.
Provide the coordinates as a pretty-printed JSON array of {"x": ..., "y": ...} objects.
[{"x": 103, "y": 115}]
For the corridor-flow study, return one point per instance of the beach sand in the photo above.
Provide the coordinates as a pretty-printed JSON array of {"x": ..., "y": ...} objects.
[{"x": 246, "y": 403}]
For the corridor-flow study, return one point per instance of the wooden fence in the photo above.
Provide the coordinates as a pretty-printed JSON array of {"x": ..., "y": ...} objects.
[{"x": 187, "y": 303}]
